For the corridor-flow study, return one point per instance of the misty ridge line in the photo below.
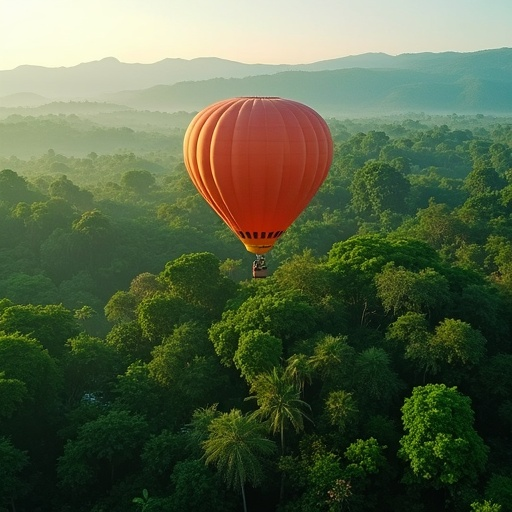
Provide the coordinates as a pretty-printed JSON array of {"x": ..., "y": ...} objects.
[{"x": 473, "y": 82}]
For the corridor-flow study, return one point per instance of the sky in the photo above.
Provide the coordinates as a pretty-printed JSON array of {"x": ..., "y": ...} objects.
[{"x": 54, "y": 33}]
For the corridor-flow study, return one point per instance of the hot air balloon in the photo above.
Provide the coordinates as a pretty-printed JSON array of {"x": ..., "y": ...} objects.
[{"x": 258, "y": 162}]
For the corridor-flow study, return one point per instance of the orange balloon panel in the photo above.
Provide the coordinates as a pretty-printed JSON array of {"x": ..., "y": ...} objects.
[{"x": 258, "y": 162}]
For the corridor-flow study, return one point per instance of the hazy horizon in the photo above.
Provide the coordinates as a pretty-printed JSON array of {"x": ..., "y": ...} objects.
[
  {"x": 57, "y": 33},
  {"x": 112, "y": 57}
]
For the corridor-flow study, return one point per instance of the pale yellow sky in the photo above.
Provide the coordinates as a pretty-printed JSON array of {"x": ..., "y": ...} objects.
[{"x": 67, "y": 32}]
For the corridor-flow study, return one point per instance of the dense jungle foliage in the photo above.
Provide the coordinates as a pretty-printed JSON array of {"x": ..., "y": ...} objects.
[{"x": 141, "y": 368}]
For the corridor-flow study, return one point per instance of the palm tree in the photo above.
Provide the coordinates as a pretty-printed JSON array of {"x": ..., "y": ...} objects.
[
  {"x": 299, "y": 370},
  {"x": 375, "y": 381},
  {"x": 279, "y": 401},
  {"x": 333, "y": 358},
  {"x": 341, "y": 408},
  {"x": 278, "y": 398},
  {"x": 236, "y": 445}
]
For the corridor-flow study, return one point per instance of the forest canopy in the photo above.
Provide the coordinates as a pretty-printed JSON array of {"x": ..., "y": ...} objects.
[{"x": 370, "y": 371}]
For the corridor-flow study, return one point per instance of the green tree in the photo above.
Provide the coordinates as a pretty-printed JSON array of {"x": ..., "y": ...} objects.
[
  {"x": 299, "y": 370},
  {"x": 160, "y": 455},
  {"x": 499, "y": 491},
  {"x": 95, "y": 225},
  {"x": 333, "y": 360},
  {"x": 341, "y": 409},
  {"x": 13, "y": 188},
  {"x": 485, "y": 506},
  {"x": 482, "y": 180},
  {"x": 145, "y": 285},
  {"x": 236, "y": 446},
  {"x": 378, "y": 187},
  {"x": 42, "y": 218},
  {"x": 12, "y": 463},
  {"x": 52, "y": 325},
  {"x": 411, "y": 333},
  {"x": 257, "y": 352},
  {"x": 373, "y": 142},
  {"x": 62, "y": 260},
  {"x": 304, "y": 273},
  {"x": 29, "y": 289},
  {"x": 454, "y": 345},
  {"x": 93, "y": 237},
  {"x": 34, "y": 407},
  {"x": 137, "y": 392},
  {"x": 196, "y": 487},
  {"x": 401, "y": 290},
  {"x": 138, "y": 181},
  {"x": 185, "y": 365},
  {"x": 456, "y": 342},
  {"x": 278, "y": 402},
  {"x": 24, "y": 360},
  {"x": 318, "y": 480},
  {"x": 282, "y": 315},
  {"x": 65, "y": 189},
  {"x": 376, "y": 385},
  {"x": 367, "y": 472},
  {"x": 198, "y": 426},
  {"x": 102, "y": 452},
  {"x": 89, "y": 368},
  {"x": 12, "y": 393},
  {"x": 224, "y": 337},
  {"x": 127, "y": 339},
  {"x": 499, "y": 250},
  {"x": 309, "y": 278},
  {"x": 159, "y": 315},
  {"x": 355, "y": 262},
  {"x": 366, "y": 456},
  {"x": 438, "y": 226},
  {"x": 197, "y": 279},
  {"x": 121, "y": 307},
  {"x": 440, "y": 443}
]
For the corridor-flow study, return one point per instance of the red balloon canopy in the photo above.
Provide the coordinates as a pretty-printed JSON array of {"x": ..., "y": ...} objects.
[{"x": 258, "y": 162}]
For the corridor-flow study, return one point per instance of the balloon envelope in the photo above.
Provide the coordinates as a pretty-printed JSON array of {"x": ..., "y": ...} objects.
[{"x": 258, "y": 161}]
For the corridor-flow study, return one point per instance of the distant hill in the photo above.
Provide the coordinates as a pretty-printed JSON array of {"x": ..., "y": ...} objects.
[
  {"x": 23, "y": 99},
  {"x": 476, "y": 82},
  {"x": 109, "y": 75},
  {"x": 42, "y": 106},
  {"x": 339, "y": 93}
]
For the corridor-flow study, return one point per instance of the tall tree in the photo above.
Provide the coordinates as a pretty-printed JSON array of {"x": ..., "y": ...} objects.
[
  {"x": 299, "y": 370},
  {"x": 279, "y": 401},
  {"x": 341, "y": 409},
  {"x": 236, "y": 445},
  {"x": 333, "y": 360}
]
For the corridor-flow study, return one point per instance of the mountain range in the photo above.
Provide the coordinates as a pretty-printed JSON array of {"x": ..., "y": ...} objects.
[{"x": 371, "y": 83}]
